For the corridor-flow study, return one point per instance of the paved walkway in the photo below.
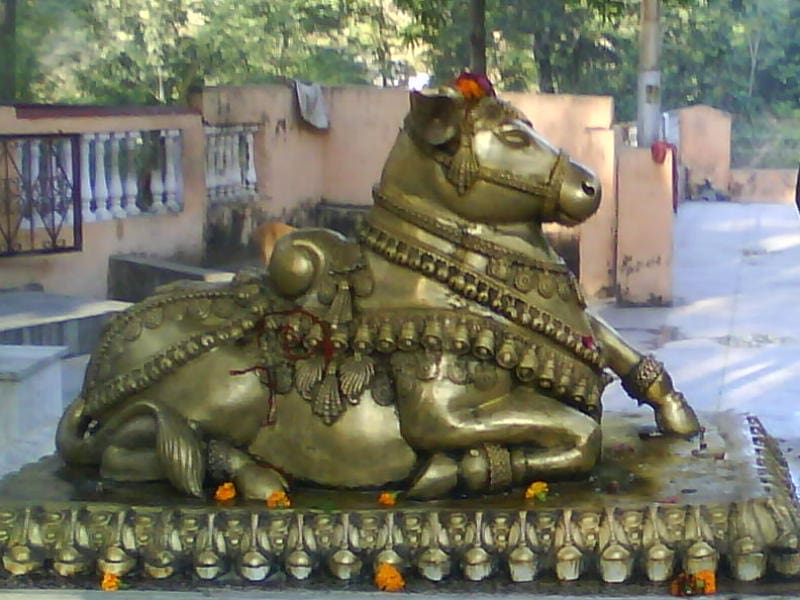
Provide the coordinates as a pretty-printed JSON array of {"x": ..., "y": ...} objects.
[{"x": 731, "y": 340}]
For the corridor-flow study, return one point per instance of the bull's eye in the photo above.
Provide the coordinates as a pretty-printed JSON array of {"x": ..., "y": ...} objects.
[{"x": 514, "y": 137}]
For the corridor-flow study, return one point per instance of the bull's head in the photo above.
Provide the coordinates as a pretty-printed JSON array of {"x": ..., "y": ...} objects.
[{"x": 482, "y": 159}]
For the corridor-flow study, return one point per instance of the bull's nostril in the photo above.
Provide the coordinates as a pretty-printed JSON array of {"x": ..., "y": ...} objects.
[{"x": 588, "y": 189}]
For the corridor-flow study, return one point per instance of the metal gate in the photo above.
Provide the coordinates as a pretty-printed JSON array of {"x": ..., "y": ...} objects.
[{"x": 40, "y": 204}]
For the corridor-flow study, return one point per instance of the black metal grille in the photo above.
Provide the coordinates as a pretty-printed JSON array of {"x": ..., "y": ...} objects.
[{"x": 40, "y": 205}]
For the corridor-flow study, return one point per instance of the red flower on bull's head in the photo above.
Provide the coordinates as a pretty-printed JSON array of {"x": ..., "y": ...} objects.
[{"x": 474, "y": 86}]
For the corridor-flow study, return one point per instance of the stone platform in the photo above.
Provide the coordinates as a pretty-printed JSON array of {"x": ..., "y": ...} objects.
[{"x": 654, "y": 507}]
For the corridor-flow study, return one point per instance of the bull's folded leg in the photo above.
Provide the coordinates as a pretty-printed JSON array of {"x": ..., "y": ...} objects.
[
  {"x": 253, "y": 481},
  {"x": 540, "y": 450},
  {"x": 131, "y": 464}
]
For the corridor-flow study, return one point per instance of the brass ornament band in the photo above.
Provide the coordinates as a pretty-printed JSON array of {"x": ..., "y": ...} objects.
[
  {"x": 642, "y": 376},
  {"x": 476, "y": 287},
  {"x": 456, "y": 232},
  {"x": 462, "y": 176}
]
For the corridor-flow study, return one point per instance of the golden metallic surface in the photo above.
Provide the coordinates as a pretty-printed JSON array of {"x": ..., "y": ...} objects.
[
  {"x": 447, "y": 348},
  {"x": 656, "y": 506}
]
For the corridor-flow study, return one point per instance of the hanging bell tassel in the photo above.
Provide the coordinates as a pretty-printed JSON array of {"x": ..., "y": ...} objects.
[
  {"x": 526, "y": 369},
  {"x": 355, "y": 374},
  {"x": 307, "y": 374},
  {"x": 341, "y": 310},
  {"x": 328, "y": 402},
  {"x": 464, "y": 166}
]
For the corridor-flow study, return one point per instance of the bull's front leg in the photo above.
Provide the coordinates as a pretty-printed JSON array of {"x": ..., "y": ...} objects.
[
  {"x": 487, "y": 432},
  {"x": 646, "y": 380}
]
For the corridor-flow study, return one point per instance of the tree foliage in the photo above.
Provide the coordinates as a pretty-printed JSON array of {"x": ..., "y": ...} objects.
[{"x": 739, "y": 55}]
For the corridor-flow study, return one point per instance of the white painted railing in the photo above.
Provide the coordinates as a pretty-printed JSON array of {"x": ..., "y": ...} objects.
[
  {"x": 230, "y": 163},
  {"x": 122, "y": 174},
  {"x": 131, "y": 173}
]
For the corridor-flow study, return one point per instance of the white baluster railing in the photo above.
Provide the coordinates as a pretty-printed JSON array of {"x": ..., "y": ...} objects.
[
  {"x": 112, "y": 168},
  {"x": 250, "y": 178},
  {"x": 115, "y": 179},
  {"x": 64, "y": 169},
  {"x": 172, "y": 155},
  {"x": 35, "y": 184},
  {"x": 131, "y": 186},
  {"x": 100, "y": 189},
  {"x": 230, "y": 163},
  {"x": 87, "y": 210}
]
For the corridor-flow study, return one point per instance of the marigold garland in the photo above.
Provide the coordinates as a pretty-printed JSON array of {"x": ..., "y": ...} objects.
[
  {"x": 474, "y": 86},
  {"x": 110, "y": 582},
  {"x": 225, "y": 492},
  {"x": 538, "y": 490},
  {"x": 387, "y": 498},
  {"x": 279, "y": 500},
  {"x": 702, "y": 583},
  {"x": 388, "y": 578}
]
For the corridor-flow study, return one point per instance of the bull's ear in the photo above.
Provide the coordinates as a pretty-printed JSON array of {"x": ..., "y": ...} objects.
[{"x": 436, "y": 115}]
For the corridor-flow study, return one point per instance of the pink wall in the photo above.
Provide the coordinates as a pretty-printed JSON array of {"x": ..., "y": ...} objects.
[
  {"x": 290, "y": 155},
  {"x": 763, "y": 185},
  {"x": 301, "y": 165},
  {"x": 645, "y": 226},
  {"x": 364, "y": 125},
  {"x": 172, "y": 235},
  {"x": 705, "y": 144}
]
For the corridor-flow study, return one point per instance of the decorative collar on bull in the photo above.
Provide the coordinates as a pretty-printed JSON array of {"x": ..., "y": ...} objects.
[{"x": 489, "y": 164}]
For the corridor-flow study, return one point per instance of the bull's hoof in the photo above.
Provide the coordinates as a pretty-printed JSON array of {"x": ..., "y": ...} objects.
[
  {"x": 256, "y": 482},
  {"x": 436, "y": 479},
  {"x": 675, "y": 417}
]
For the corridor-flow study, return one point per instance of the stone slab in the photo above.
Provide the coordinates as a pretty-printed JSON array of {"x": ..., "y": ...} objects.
[
  {"x": 18, "y": 363},
  {"x": 654, "y": 507},
  {"x": 133, "y": 278},
  {"x": 42, "y": 319}
]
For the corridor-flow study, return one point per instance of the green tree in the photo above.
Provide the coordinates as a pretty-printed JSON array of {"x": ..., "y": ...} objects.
[{"x": 8, "y": 29}]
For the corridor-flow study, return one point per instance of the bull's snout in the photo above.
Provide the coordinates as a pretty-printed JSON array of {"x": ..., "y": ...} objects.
[{"x": 580, "y": 195}]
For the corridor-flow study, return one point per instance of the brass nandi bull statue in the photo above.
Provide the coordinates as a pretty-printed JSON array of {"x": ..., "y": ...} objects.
[{"x": 447, "y": 348}]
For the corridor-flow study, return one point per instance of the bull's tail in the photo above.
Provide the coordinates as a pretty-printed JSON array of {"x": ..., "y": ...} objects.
[{"x": 179, "y": 449}]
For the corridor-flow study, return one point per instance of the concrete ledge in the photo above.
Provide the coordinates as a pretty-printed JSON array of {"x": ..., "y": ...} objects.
[
  {"x": 39, "y": 319},
  {"x": 18, "y": 363},
  {"x": 30, "y": 390},
  {"x": 133, "y": 278}
]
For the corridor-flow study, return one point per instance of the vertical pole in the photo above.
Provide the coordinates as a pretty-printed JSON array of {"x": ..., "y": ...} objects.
[
  {"x": 649, "y": 82},
  {"x": 477, "y": 38}
]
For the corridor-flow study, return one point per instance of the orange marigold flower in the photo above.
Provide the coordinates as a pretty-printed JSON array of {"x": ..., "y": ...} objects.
[
  {"x": 225, "y": 492},
  {"x": 702, "y": 583},
  {"x": 387, "y": 498},
  {"x": 110, "y": 582},
  {"x": 709, "y": 579},
  {"x": 470, "y": 89},
  {"x": 279, "y": 500},
  {"x": 388, "y": 578},
  {"x": 474, "y": 86},
  {"x": 537, "y": 491}
]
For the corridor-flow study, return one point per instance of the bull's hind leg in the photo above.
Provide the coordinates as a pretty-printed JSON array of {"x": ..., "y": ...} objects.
[
  {"x": 132, "y": 455},
  {"x": 253, "y": 481},
  {"x": 515, "y": 439}
]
